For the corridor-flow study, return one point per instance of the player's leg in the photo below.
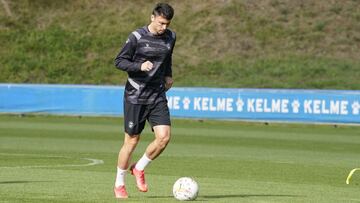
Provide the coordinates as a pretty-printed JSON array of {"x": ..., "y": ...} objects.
[
  {"x": 124, "y": 156},
  {"x": 156, "y": 147},
  {"x": 127, "y": 149},
  {"x": 162, "y": 138},
  {"x": 134, "y": 123},
  {"x": 159, "y": 119}
]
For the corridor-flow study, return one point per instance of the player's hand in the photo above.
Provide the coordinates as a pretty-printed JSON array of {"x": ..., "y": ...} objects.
[
  {"x": 147, "y": 66},
  {"x": 168, "y": 83}
]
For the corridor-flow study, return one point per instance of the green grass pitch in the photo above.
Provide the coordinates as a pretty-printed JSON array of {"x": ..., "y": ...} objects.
[{"x": 58, "y": 159}]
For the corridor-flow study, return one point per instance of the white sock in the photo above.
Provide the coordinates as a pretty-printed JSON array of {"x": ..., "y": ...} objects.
[
  {"x": 120, "y": 177},
  {"x": 142, "y": 163}
]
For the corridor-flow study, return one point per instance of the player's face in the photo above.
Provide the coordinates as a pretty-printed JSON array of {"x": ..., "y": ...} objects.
[{"x": 159, "y": 24}]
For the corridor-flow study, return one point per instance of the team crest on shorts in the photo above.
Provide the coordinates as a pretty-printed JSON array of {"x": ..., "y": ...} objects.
[{"x": 131, "y": 124}]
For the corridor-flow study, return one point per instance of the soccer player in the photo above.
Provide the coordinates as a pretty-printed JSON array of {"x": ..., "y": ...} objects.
[{"x": 147, "y": 59}]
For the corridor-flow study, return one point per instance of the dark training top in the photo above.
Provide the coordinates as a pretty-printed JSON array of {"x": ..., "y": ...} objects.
[{"x": 146, "y": 87}]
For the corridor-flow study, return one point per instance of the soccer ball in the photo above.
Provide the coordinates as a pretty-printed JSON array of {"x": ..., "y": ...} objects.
[{"x": 185, "y": 188}]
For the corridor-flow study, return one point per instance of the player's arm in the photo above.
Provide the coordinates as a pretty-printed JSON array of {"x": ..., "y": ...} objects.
[
  {"x": 168, "y": 71},
  {"x": 124, "y": 60}
]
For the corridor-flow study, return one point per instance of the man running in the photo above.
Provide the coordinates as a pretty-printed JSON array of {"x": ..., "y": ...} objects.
[{"x": 147, "y": 58}]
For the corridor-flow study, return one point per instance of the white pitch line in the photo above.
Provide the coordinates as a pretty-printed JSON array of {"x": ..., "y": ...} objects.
[
  {"x": 91, "y": 163},
  {"x": 350, "y": 174}
]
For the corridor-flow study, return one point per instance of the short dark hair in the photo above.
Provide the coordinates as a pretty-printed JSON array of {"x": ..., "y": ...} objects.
[{"x": 163, "y": 9}]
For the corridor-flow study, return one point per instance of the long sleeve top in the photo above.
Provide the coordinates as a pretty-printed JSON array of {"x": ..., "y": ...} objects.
[{"x": 141, "y": 45}]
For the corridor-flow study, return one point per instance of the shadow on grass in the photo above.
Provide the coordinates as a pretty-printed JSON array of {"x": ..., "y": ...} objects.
[
  {"x": 244, "y": 196},
  {"x": 21, "y": 182},
  {"x": 232, "y": 196}
]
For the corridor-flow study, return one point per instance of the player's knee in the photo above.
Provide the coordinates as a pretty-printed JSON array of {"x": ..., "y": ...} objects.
[
  {"x": 163, "y": 140},
  {"x": 166, "y": 139},
  {"x": 131, "y": 142}
]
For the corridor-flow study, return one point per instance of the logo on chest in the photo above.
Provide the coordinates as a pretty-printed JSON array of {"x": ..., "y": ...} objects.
[{"x": 161, "y": 46}]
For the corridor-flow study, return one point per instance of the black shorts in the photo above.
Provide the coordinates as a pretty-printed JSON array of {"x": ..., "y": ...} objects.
[{"x": 135, "y": 116}]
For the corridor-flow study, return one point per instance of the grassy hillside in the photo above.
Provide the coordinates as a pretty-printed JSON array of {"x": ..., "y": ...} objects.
[{"x": 222, "y": 43}]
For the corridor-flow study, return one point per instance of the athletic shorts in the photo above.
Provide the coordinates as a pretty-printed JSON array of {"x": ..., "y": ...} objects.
[{"x": 135, "y": 116}]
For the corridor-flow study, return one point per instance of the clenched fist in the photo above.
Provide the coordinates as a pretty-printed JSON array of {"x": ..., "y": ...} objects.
[{"x": 147, "y": 66}]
